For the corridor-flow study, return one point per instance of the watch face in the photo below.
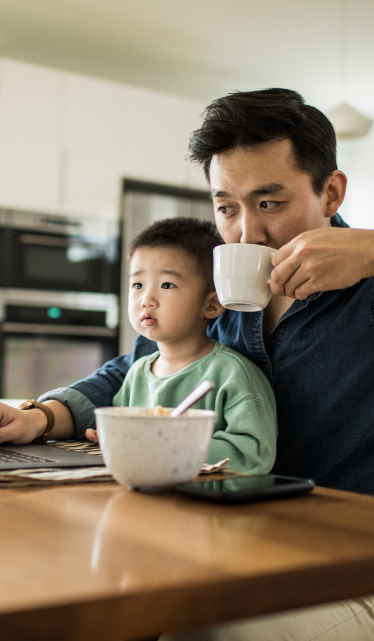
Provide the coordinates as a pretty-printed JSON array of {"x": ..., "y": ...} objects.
[
  {"x": 27, "y": 405},
  {"x": 31, "y": 404}
]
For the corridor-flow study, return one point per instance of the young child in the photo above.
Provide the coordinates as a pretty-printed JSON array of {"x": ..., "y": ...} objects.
[{"x": 171, "y": 301}]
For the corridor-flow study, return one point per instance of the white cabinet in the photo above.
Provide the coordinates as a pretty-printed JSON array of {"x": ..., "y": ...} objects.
[
  {"x": 29, "y": 136},
  {"x": 58, "y": 141},
  {"x": 67, "y": 140},
  {"x": 90, "y": 171},
  {"x": 153, "y": 135}
]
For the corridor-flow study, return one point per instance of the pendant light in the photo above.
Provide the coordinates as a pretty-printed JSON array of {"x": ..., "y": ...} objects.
[{"x": 348, "y": 122}]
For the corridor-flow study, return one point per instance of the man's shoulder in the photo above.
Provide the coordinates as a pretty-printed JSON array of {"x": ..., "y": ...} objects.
[{"x": 232, "y": 325}]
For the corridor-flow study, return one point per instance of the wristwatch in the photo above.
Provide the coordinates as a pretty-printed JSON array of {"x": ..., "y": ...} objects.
[{"x": 29, "y": 405}]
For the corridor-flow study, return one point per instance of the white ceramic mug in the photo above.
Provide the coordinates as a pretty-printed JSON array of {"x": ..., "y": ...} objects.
[{"x": 242, "y": 276}]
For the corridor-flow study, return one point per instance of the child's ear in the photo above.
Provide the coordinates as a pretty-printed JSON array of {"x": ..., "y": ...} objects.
[{"x": 213, "y": 307}]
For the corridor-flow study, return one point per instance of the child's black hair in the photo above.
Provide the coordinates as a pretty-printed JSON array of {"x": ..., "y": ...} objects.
[{"x": 196, "y": 237}]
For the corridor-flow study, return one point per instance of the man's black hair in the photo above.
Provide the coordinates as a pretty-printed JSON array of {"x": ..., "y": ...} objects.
[
  {"x": 247, "y": 118},
  {"x": 196, "y": 237}
]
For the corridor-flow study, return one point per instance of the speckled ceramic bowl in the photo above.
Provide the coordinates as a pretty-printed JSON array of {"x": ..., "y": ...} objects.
[{"x": 153, "y": 451}]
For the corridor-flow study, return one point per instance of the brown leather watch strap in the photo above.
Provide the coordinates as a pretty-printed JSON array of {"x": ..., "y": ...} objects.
[{"x": 29, "y": 405}]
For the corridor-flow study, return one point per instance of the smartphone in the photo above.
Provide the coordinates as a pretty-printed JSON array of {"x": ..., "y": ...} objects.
[{"x": 245, "y": 489}]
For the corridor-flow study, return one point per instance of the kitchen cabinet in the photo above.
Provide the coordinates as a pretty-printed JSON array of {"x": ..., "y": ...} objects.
[
  {"x": 30, "y": 119},
  {"x": 89, "y": 154},
  {"x": 67, "y": 140},
  {"x": 153, "y": 133}
]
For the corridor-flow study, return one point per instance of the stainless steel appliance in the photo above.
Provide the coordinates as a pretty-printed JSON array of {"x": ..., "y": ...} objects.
[
  {"x": 59, "y": 290},
  {"x": 51, "y": 339},
  {"x": 142, "y": 204},
  {"x": 40, "y": 251}
]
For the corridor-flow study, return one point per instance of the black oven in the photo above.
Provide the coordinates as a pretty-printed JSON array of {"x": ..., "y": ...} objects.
[
  {"x": 52, "y": 339},
  {"x": 44, "y": 252}
]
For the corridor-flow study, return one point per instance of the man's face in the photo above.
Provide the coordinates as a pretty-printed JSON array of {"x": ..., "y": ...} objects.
[{"x": 260, "y": 196}]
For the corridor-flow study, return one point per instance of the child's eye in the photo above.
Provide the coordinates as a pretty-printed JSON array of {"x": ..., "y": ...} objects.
[
  {"x": 137, "y": 286},
  {"x": 167, "y": 285}
]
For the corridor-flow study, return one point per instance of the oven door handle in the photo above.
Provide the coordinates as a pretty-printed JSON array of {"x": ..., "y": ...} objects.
[
  {"x": 64, "y": 330},
  {"x": 47, "y": 241}
]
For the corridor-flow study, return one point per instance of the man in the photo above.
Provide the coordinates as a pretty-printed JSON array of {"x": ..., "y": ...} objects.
[{"x": 271, "y": 163}]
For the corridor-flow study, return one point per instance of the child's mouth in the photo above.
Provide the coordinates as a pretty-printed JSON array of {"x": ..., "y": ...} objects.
[{"x": 148, "y": 321}]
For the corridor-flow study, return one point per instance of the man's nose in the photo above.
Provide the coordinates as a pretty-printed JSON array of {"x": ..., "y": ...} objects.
[{"x": 252, "y": 229}]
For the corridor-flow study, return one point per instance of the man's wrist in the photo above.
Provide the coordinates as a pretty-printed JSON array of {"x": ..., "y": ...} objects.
[
  {"x": 32, "y": 404},
  {"x": 37, "y": 421},
  {"x": 364, "y": 251},
  {"x": 369, "y": 263}
]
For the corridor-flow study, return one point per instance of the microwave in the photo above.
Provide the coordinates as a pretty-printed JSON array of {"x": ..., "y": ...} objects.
[{"x": 58, "y": 253}]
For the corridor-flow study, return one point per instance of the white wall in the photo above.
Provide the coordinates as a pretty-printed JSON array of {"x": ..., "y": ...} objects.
[
  {"x": 29, "y": 136},
  {"x": 67, "y": 140},
  {"x": 356, "y": 159}
]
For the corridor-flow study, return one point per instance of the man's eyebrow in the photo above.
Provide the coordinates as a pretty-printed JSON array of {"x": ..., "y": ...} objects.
[
  {"x": 271, "y": 188},
  {"x": 219, "y": 194}
]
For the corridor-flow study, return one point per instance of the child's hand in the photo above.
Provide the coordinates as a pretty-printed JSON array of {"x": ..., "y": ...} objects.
[{"x": 91, "y": 435}]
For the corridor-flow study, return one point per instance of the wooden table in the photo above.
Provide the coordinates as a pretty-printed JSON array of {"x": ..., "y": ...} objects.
[{"x": 97, "y": 562}]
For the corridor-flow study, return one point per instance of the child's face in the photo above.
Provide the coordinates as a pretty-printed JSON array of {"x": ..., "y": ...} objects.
[{"x": 168, "y": 298}]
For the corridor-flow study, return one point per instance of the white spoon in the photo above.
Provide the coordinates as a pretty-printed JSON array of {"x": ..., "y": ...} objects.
[{"x": 197, "y": 393}]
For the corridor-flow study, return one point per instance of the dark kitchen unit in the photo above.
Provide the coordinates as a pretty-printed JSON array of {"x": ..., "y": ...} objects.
[
  {"x": 144, "y": 203},
  {"x": 59, "y": 300}
]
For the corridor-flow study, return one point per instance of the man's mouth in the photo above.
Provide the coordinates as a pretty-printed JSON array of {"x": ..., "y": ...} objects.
[{"x": 148, "y": 320}]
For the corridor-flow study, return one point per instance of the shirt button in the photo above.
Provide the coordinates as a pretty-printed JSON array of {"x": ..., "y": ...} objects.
[{"x": 266, "y": 369}]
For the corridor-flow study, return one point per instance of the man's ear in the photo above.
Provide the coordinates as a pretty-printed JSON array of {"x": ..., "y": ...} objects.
[
  {"x": 213, "y": 307},
  {"x": 334, "y": 192}
]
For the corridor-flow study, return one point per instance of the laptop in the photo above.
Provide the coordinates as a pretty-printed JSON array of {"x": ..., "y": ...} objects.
[
  {"x": 49, "y": 455},
  {"x": 70, "y": 453}
]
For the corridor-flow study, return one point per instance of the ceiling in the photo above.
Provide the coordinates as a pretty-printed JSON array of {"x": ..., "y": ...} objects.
[{"x": 203, "y": 48}]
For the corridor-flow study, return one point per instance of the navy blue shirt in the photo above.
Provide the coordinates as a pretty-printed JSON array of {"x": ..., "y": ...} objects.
[{"x": 320, "y": 361}]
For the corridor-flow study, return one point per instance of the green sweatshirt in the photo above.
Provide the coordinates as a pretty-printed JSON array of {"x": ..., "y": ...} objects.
[{"x": 245, "y": 428}]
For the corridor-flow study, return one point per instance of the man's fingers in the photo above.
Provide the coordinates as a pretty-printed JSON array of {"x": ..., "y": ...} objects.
[
  {"x": 282, "y": 274},
  {"x": 320, "y": 260},
  {"x": 298, "y": 286},
  {"x": 12, "y": 434},
  {"x": 283, "y": 253},
  {"x": 303, "y": 291}
]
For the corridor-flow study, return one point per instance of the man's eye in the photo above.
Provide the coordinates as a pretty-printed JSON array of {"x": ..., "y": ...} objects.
[
  {"x": 269, "y": 204},
  {"x": 167, "y": 286},
  {"x": 137, "y": 286},
  {"x": 225, "y": 210}
]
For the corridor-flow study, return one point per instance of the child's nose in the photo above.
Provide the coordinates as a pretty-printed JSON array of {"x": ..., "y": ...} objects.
[{"x": 148, "y": 299}]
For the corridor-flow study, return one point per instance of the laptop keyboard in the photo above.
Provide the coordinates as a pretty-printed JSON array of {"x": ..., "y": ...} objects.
[{"x": 16, "y": 457}]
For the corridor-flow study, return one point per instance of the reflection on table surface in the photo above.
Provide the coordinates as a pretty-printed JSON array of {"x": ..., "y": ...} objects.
[
  {"x": 101, "y": 538},
  {"x": 183, "y": 562}
]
